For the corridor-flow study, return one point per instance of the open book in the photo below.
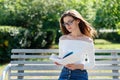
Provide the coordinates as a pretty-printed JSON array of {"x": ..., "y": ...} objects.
[{"x": 69, "y": 58}]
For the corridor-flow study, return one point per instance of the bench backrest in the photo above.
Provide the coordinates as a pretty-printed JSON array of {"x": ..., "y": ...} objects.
[{"x": 34, "y": 64}]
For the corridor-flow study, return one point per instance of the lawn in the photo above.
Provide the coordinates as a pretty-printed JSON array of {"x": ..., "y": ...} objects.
[{"x": 104, "y": 44}]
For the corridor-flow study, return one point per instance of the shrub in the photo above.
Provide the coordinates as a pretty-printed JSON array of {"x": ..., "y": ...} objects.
[
  {"x": 111, "y": 36},
  {"x": 18, "y": 37},
  {"x": 8, "y": 40}
]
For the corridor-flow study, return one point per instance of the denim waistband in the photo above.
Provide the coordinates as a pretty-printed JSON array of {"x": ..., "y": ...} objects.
[
  {"x": 77, "y": 74},
  {"x": 74, "y": 70}
]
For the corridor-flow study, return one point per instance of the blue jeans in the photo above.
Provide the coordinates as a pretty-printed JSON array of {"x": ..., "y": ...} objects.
[{"x": 67, "y": 74}]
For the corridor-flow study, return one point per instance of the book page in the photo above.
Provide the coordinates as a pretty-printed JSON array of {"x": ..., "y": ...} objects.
[
  {"x": 55, "y": 58},
  {"x": 64, "y": 61}
]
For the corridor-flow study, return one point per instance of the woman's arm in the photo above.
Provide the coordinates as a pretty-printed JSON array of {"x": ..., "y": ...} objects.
[{"x": 75, "y": 66}]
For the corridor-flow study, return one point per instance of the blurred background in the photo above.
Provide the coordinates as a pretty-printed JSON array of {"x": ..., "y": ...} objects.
[{"x": 34, "y": 24}]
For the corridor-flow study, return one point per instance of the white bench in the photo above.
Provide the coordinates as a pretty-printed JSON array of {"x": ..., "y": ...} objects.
[{"x": 34, "y": 64}]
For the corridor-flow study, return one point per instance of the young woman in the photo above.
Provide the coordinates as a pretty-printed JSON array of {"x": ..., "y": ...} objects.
[{"x": 76, "y": 38}]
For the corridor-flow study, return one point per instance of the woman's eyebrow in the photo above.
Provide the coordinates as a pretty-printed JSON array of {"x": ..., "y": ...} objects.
[{"x": 68, "y": 21}]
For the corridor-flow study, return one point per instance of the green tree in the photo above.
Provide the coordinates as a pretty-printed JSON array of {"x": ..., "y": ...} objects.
[{"x": 108, "y": 14}]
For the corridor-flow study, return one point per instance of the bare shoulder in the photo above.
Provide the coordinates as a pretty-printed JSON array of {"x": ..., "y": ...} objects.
[
  {"x": 87, "y": 39},
  {"x": 63, "y": 37},
  {"x": 82, "y": 38}
]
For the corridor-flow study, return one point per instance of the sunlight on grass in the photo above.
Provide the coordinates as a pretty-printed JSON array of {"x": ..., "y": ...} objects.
[
  {"x": 104, "y": 44},
  {"x": 107, "y": 46},
  {"x": 101, "y": 41}
]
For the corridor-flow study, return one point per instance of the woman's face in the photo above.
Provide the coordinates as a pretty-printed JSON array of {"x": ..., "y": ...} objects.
[{"x": 70, "y": 23}]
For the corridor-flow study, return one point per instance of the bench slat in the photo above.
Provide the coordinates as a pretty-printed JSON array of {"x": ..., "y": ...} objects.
[
  {"x": 107, "y": 62},
  {"x": 59, "y": 67},
  {"x": 33, "y": 79},
  {"x": 36, "y": 68},
  {"x": 47, "y": 56},
  {"x": 103, "y": 79},
  {"x": 56, "y": 79},
  {"x": 34, "y": 51},
  {"x": 50, "y": 62},
  {"x": 28, "y": 56},
  {"x": 107, "y": 51},
  {"x": 34, "y": 74},
  {"x": 104, "y": 74},
  {"x": 107, "y": 57},
  {"x": 106, "y": 68},
  {"x": 56, "y": 51},
  {"x": 57, "y": 73},
  {"x": 31, "y": 62}
]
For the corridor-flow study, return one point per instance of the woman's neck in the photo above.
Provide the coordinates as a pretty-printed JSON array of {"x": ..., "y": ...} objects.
[{"x": 76, "y": 34}]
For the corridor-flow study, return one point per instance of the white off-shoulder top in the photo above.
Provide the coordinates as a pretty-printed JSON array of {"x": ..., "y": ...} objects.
[{"x": 82, "y": 49}]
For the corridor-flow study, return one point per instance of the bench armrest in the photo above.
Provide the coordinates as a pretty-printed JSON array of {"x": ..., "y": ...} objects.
[{"x": 5, "y": 71}]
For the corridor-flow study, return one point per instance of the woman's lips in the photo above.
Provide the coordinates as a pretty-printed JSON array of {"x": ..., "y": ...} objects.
[{"x": 69, "y": 28}]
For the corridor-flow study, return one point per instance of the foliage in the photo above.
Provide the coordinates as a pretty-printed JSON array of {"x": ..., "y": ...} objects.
[
  {"x": 41, "y": 13},
  {"x": 107, "y": 15},
  {"x": 8, "y": 41},
  {"x": 37, "y": 39},
  {"x": 18, "y": 37},
  {"x": 32, "y": 13},
  {"x": 111, "y": 36}
]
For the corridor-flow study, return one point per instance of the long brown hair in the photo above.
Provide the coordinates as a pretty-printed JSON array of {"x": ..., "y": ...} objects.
[{"x": 84, "y": 26}]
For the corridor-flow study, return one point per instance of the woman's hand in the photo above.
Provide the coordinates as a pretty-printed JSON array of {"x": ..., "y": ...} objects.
[
  {"x": 57, "y": 63},
  {"x": 75, "y": 66}
]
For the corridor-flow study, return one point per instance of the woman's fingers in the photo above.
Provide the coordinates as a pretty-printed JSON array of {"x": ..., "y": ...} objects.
[
  {"x": 57, "y": 63},
  {"x": 71, "y": 66}
]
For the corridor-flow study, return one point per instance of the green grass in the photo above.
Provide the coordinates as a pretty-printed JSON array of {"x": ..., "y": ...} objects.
[{"x": 104, "y": 44}]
